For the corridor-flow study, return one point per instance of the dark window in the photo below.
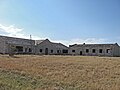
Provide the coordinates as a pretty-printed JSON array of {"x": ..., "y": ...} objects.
[
  {"x": 100, "y": 50},
  {"x": 108, "y": 51},
  {"x": 40, "y": 50},
  {"x": 19, "y": 48},
  {"x": 51, "y": 51},
  {"x": 93, "y": 51},
  {"x": 58, "y": 51},
  {"x": 87, "y": 50},
  {"x": 73, "y": 50},
  {"x": 65, "y": 51},
  {"x": 30, "y": 50}
]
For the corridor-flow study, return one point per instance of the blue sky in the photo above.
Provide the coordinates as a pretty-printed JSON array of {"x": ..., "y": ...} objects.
[{"x": 67, "y": 21}]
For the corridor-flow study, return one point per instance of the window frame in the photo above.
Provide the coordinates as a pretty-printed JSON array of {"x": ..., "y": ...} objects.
[
  {"x": 73, "y": 51},
  {"x": 93, "y": 50},
  {"x": 100, "y": 50},
  {"x": 87, "y": 50},
  {"x": 40, "y": 50}
]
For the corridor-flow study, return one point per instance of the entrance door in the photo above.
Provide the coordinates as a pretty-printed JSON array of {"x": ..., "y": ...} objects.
[
  {"x": 46, "y": 51},
  {"x": 80, "y": 52}
]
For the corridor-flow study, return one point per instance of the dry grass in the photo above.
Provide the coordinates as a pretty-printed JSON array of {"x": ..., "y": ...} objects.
[{"x": 60, "y": 73}]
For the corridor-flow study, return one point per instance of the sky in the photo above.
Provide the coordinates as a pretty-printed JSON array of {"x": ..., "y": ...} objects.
[{"x": 65, "y": 21}]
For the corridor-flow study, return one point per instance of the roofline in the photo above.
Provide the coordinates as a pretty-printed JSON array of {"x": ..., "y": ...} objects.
[
  {"x": 96, "y": 44},
  {"x": 60, "y": 43},
  {"x": 16, "y": 37},
  {"x": 93, "y": 44}
]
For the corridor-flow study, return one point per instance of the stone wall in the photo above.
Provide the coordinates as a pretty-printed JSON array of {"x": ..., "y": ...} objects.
[
  {"x": 47, "y": 47},
  {"x": 2, "y": 45},
  {"x": 95, "y": 50},
  {"x": 27, "y": 44}
]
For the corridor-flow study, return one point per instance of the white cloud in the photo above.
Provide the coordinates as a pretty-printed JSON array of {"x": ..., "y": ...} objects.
[
  {"x": 18, "y": 32},
  {"x": 13, "y": 31},
  {"x": 10, "y": 29}
]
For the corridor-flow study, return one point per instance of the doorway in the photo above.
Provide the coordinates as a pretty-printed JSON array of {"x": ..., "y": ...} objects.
[
  {"x": 81, "y": 53},
  {"x": 46, "y": 51}
]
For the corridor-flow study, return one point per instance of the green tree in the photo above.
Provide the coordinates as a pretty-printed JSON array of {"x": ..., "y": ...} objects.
[{"x": 12, "y": 50}]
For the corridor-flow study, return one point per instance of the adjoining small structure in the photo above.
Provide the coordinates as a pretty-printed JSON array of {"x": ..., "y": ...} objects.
[
  {"x": 23, "y": 46},
  {"x": 45, "y": 47},
  {"x": 95, "y": 49}
]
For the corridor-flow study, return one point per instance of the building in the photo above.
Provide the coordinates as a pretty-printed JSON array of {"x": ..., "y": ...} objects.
[
  {"x": 95, "y": 49},
  {"x": 22, "y": 46},
  {"x": 45, "y": 47}
]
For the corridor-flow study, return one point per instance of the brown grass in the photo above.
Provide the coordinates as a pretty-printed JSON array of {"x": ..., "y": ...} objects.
[{"x": 67, "y": 72}]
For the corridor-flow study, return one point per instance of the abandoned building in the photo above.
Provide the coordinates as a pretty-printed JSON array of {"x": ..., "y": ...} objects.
[
  {"x": 45, "y": 47},
  {"x": 21, "y": 45},
  {"x": 95, "y": 49}
]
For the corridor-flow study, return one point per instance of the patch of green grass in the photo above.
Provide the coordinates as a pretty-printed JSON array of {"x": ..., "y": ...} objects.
[
  {"x": 16, "y": 81},
  {"x": 19, "y": 81}
]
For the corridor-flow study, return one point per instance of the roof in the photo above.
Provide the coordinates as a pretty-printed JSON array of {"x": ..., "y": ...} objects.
[
  {"x": 38, "y": 41},
  {"x": 59, "y": 44},
  {"x": 17, "y": 41},
  {"x": 15, "y": 38},
  {"x": 81, "y": 45}
]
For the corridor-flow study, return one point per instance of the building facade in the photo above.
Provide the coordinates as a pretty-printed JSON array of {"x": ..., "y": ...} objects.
[
  {"x": 45, "y": 47},
  {"x": 20, "y": 45},
  {"x": 95, "y": 49}
]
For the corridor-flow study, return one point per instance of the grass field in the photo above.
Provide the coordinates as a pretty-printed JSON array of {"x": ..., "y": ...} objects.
[{"x": 59, "y": 73}]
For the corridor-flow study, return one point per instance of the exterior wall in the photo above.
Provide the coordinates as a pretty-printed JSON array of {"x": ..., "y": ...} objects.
[
  {"x": 47, "y": 47},
  {"x": 6, "y": 42},
  {"x": 43, "y": 46},
  {"x": 82, "y": 48},
  {"x": 50, "y": 46},
  {"x": 116, "y": 50},
  {"x": 2, "y": 45},
  {"x": 119, "y": 51}
]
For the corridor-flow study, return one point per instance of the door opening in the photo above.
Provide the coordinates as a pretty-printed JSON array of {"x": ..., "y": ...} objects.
[
  {"x": 81, "y": 53},
  {"x": 46, "y": 51}
]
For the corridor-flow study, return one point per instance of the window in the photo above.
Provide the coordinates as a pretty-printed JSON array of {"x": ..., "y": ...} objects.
[
  {"x": 40, "y": 50},
  {"x": 100, "y": 50},
  {"x": 87, "y": 50},
  {"x": 108, "y": 51},
  {"x": 73, "y": 50},
  {"x": 64, "y": 51},
  {"x": 30, "y": 50},
  {"x": 93, "y": 51},
  {"x": 58, "y": 51},
  {"x": 19, "y": 48},
  {"x": 51, "y": 51}
]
